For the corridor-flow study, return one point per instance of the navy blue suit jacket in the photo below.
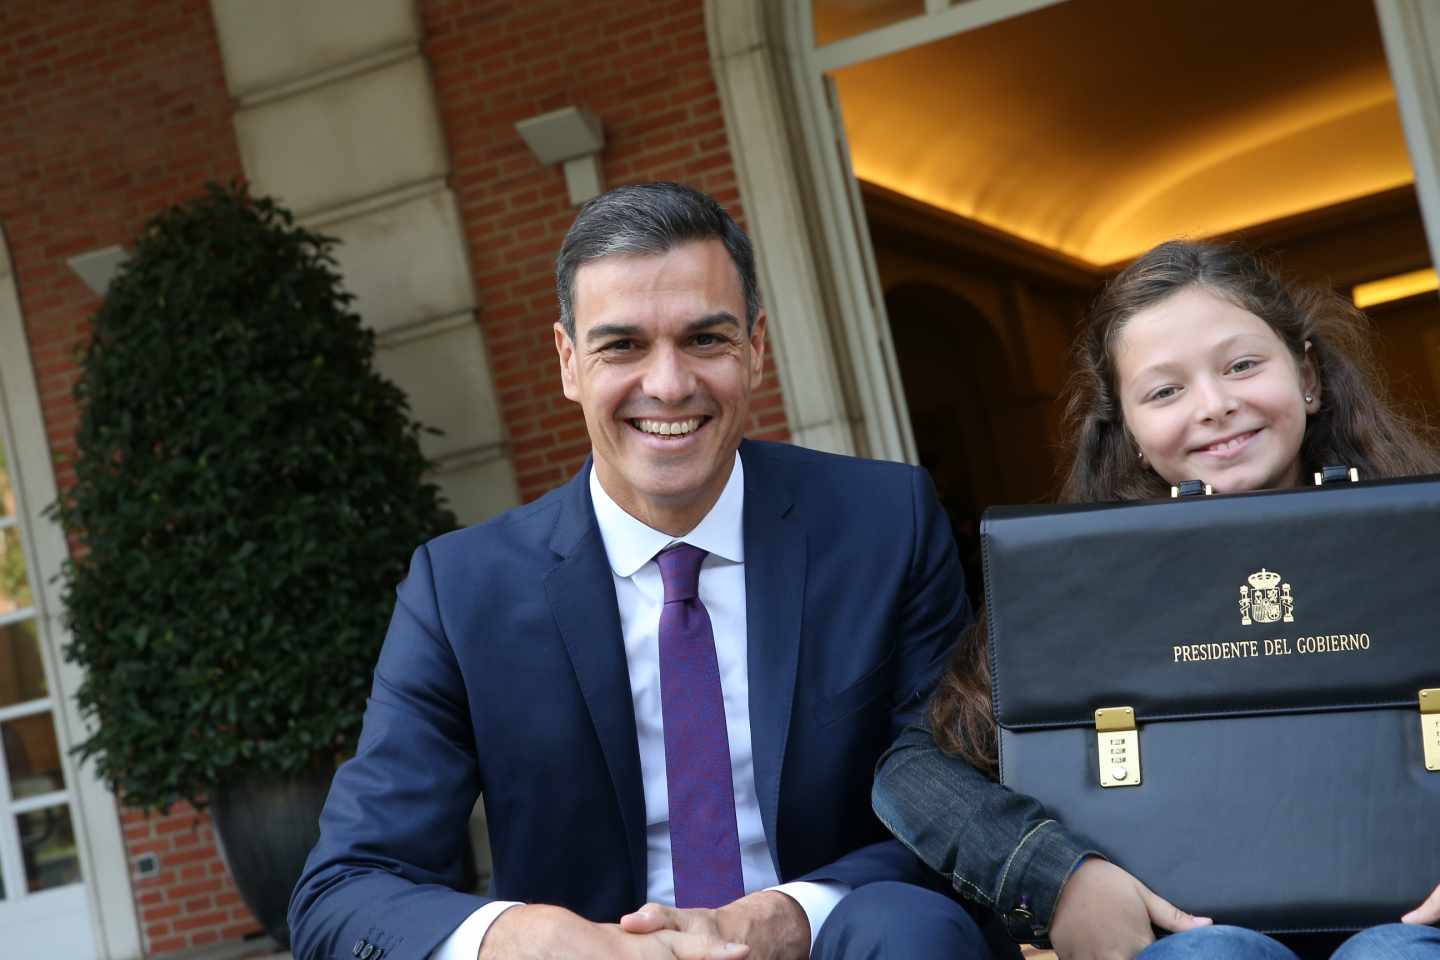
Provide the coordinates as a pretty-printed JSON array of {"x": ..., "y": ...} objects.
[{"x": 504, "y": 672}]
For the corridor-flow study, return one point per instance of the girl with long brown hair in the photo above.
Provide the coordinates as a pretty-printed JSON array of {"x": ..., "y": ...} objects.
[{"x": 1196, "y": 362}]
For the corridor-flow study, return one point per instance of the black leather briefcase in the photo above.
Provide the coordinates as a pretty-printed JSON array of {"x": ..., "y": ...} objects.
[{"x": 1232, "y": 697}]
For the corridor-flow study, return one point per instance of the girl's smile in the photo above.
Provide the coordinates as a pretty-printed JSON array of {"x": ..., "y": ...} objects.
[{"x": 1229, "y": 446}]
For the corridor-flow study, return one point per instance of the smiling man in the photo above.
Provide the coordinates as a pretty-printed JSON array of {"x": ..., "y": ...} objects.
[
  {"x": 671, "y": 678},
  {"x": 670, "y": 349}
]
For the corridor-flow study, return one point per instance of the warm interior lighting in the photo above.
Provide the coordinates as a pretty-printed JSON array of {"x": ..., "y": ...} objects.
[
  {"x": 1062, "y": 129},
  {"x": 1398, "y": 287},
  {"x": 1203, "y": 186}
]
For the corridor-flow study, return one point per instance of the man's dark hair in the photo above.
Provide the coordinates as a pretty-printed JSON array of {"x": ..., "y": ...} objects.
[{"x": 646, "y": 219}]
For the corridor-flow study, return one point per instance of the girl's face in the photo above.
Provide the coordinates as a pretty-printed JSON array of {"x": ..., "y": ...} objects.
[{"x": 1210, "y": 392}]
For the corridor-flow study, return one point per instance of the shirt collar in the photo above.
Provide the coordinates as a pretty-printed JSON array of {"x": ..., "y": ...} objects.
[{"x": 630, "y": 544}]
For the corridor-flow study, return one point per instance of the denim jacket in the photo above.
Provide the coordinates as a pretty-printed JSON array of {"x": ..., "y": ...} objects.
[{"x": 998, "y": 847}]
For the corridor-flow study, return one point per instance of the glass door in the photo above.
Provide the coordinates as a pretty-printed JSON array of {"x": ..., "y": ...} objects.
[{"x": 42, "y": 896}]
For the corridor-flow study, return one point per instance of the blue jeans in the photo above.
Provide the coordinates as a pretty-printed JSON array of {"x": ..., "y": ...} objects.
[{"x": 1391, "y": 941}]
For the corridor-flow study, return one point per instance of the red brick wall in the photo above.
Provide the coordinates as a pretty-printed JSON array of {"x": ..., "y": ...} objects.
[
  {"x": 109, "y": 111},
  {"x": 643, "y": 66},
  {"x": 191, "y": 901}
]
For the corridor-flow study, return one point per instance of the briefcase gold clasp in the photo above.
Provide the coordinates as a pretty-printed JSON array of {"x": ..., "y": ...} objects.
[
  {"x": 1430, "y": 727},
  {"x": 1119, "y": 746}
]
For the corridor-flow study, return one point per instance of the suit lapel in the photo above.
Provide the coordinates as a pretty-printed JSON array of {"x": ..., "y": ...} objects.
[
  {"x": 774, "y": 601},
  {"x": 581, "y": 594}
]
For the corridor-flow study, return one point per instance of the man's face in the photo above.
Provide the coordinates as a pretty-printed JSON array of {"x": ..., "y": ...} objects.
[{"x": 663, "y": 368}]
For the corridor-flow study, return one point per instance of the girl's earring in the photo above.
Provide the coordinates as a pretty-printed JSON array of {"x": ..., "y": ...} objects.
[
  {"x": 1309, "y": 398},
  {"x": 1140, "y": 454}
]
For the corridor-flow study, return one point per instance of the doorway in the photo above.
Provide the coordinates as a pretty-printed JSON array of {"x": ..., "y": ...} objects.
[{"x": 951, "y": 361}]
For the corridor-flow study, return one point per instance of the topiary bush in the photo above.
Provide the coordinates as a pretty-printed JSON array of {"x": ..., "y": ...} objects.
[{"x": 247, "y": 493}]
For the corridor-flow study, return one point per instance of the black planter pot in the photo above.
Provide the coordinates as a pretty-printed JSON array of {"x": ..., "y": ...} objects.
[{"x": 266, "y": 826}]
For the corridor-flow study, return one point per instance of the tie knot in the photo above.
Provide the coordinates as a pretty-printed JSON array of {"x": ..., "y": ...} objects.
[{"x": 680, "y": 571}]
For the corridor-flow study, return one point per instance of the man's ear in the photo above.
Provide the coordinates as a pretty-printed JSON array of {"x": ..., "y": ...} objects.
[
  {"x": 757, "y": 350},
  {"x": 565, "y": 350}
]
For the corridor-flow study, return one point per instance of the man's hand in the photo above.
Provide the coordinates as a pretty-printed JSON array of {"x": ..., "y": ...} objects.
[
  {"x": 1427, "y": 912},
  {"x": 1106, "y": 914},
  {"x": 538, "y": 932},
  {"x": 770, "y": 923}
]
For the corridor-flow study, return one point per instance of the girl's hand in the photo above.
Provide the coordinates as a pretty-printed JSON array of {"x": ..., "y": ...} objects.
[
  {"x": 1106, "y": 914},
  {"x": 1427, "y": 912}
]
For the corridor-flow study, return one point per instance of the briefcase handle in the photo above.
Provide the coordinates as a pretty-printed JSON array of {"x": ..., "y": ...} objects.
[
  {"x": 1336, "y": 475},
  {"x": 1190, "y": 488},
  {"x": 1330, "y": 474}
]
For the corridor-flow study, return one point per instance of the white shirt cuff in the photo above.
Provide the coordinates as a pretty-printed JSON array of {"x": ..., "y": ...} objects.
[
  {"x": 817, "y": 898},
  {"x": 464, "y": 943}
]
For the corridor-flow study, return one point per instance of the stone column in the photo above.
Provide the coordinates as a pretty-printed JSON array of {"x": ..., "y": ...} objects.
[{"x": 336, "y": 117}]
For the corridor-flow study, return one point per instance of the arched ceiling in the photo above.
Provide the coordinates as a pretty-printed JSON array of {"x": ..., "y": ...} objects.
[{"x": 1098, "y": 128}]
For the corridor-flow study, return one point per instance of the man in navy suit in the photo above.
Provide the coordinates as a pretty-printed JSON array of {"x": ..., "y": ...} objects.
[{"x": 670, "y": 678}]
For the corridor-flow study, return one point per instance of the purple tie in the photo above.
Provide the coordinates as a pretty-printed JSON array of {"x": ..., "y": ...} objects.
[{"x": 704, "y": 841}]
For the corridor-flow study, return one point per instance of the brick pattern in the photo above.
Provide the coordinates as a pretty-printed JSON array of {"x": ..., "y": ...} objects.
[
  {"x": 191, "y": 901},
  {"x": 643, "y": 66},
  {"x": 109, "y": 112}
]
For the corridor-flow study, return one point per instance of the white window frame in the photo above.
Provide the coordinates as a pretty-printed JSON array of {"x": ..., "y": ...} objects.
[
  {"x": 1410, "y": 30},
  {"x": 94, "y": 811}
]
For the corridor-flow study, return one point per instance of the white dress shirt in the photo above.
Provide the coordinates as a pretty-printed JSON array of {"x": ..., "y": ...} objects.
[{"x": 631, "y": 547}]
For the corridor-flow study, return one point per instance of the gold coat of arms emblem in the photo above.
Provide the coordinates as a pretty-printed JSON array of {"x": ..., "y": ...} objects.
[{"x": 1265, "y": 599}]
